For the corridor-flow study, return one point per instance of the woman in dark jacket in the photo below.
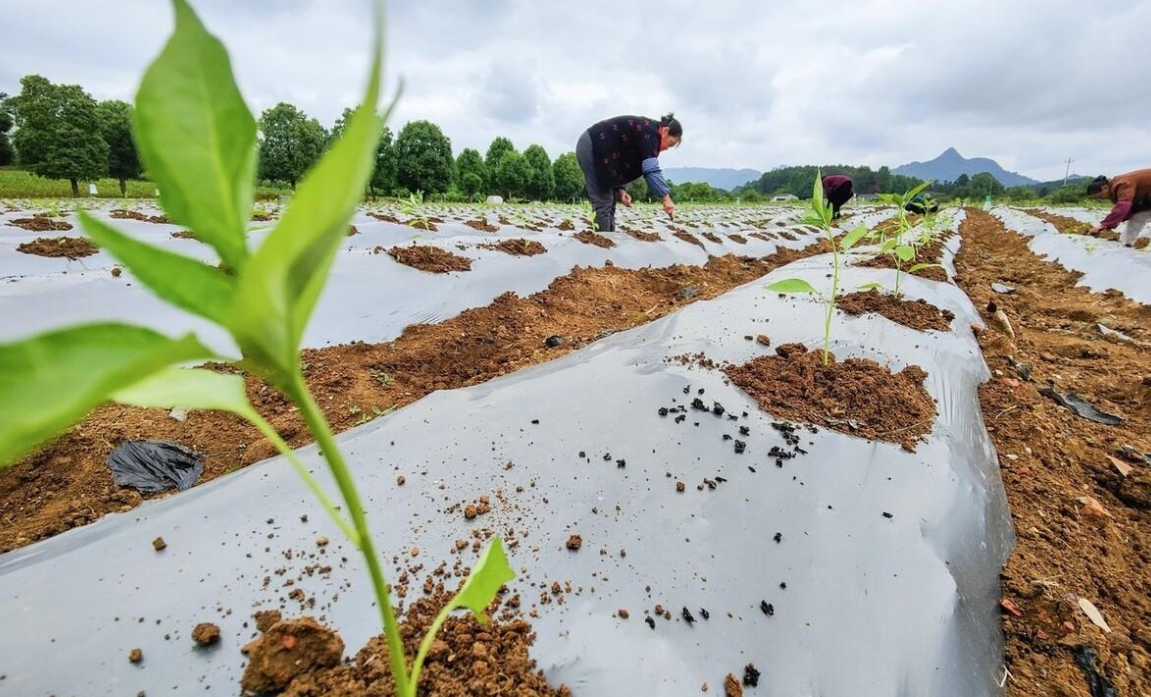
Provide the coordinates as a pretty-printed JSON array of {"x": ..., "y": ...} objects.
[{"x": 617, "y": 151}]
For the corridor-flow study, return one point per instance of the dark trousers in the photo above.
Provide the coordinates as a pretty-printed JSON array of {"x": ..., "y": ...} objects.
[
  {"x": 838, "y": 197},
  {"x": 602, "y": 197}
]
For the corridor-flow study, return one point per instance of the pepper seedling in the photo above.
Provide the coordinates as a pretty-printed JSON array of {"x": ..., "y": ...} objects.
[{"x": 197, "y": 139}]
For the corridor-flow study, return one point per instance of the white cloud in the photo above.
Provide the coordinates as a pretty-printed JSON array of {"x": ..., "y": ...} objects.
[{"x": 1030, "y": 83}]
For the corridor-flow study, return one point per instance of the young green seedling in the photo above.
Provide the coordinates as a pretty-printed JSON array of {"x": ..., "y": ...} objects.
[
  {"x": 820, "y": 216},
  {"x": 197, "y": 140},
  {"x": 900, "y": 250}
]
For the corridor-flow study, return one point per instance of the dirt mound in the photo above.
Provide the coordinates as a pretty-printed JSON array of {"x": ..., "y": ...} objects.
[
  {"x": 121, "y": 214},
  {"x": 287, "y": 650},
  {"x": 41, "y": 223},
  {"x": 642, "y": 236},
  {"x": 431, "y": 259},
  {"x": 740, "y": 239},
  {"x": 183, "y": 235},
  {"x": 1079, "y": 491},
  {"x": 711, "y": 236},
  {"x": 71, "y": 247},
  {"x": 930, "y": 253},
  {"x": 466, "y": 659},
  {"x": 386, "y": 218},
  {"x": 482, "y": 225},
  {"x": 917, "y": 314},
  {"x": 589, "y": 237},
  {"x": 688, "y": 237},
  {"x": 519, "y": 248},
  {"x": 856, "y": 396}
]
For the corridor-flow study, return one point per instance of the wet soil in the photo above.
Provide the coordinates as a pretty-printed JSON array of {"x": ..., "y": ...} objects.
[
  {"x": 855, "y": 396},
  {"x": 67, "y": 484},
  {"x": 71, "y": 247},
  {"x": 41, "y": 223},
  {"x": 431, "y": 259},
  {"x": 592, "y": 238},
  {"x": 917, "y": 314},
  {"x": 930, "y": 253},
  {"x": 519, "y": 248},
  {"x": 1052, "y": 460},
  {"x": 466, "y": 659}
]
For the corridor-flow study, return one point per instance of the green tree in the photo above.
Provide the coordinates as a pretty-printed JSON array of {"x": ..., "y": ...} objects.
[
  {"x": 291, "y": 143},
  {"x": 984, "y": 184},
  {"x": 541, "y": 181},
  {"x": 7, "y": 152},
  {"x": 568, "y": 177},
  {"x": 470, "y": 172},
  {"x": 116, "y": 129},
  {"x": 1020, "y": 193},
  {"x": 496, "y": 150},
  {"x": 638, "y": 190},
  {"x": 512, "y": 175},
  {"x": 1069, "y": 193},
  {"x": 424, "y": 157},
  {"x": 58, "y": 132}
]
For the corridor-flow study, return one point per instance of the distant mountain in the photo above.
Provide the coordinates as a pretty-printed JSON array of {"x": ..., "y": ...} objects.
[
  {"x": 726, "y": 179},
  {"x": 948, "y": 166}
]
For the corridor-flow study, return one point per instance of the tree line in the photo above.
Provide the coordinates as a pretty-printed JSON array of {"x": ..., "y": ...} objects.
[{"x": 62, "y": 132}]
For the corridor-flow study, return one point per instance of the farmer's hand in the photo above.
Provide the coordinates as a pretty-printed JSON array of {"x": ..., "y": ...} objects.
[
  {"x": 669, "y": 207},
  {"x": 625, "y": 197},
  {"x": 1094, "y": 232}
]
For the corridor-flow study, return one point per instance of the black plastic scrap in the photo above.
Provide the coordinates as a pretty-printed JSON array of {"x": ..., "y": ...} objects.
[
  {"x": 153, "y": 466},
  {"x": 1080, "y": 406},
  {"x": 1099, "y": 685}
]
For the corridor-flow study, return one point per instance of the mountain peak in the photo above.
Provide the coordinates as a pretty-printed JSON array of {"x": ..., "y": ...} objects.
[{"x": 950, "y": 165}]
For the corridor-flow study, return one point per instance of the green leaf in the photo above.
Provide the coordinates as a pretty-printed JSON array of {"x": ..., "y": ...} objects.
[
  {"x": 281, "y": 283},
  {"x": 905, "y": 252},
  {"x": 792, "y": 285},
  {"x": 888, "y": 245},
  {"x": 848, "y": 241},
  {"x": 492, "y": 572},
  {"x": 196, "y": 137},
  {"x": 187, "y": 283},
  {"x": 190, "y": 389},
  {"x": 870, "y": 286},
  {"x": 49, "y": 381},
  {"x": 203, "y": 389},
  {"x": 916, "y": 191},
  {"x": 920, "y": 267}
]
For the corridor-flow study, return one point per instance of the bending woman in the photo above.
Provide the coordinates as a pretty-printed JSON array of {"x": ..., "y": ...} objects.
[{"x": 617, "y": 151}]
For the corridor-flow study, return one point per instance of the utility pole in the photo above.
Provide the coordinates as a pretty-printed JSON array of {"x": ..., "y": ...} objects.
[{"x": 1067, "y": 172}]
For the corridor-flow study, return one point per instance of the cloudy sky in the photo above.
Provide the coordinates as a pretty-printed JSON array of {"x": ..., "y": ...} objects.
[{"x": 1029, "y": 83}]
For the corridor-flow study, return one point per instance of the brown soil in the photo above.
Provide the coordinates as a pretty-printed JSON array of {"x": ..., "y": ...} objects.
[
  {"x": 206, "y": 634},
  {"x": 67, "y": 484},
  {"x": 466, "y": 659},
  {"x": 589, "y": 237},
  {"x": 262, "y": 217},
  {"x": 712, "y": 237},
  {"x": 856, "y": 396},
  {"x": 71, "y": 247},
  {"x": 482, "y": 225},
  {"x": 1071, "y": 226},
  {"x": 930, "y": 253},
  {"x": 183, "y": 235},
  {"x": 765, "y": 236},
  {"x": 787, "y": 236},
  {"x": 41, "y": 223},
  {"x": 519, "y": 248},
  {"x": 566, "y": 226},
  {"x": 737, "y": 238},
  {"x": 1050, "y": 459},
  {"x": 431, "y": 259},
  {"x": 917, "y": 314},
  {"x": 641, "y": 235},
  {"x": 287, "y": 650},
  {"x": 689, "y": 238},
  {"x": 386, "y": 218},
  {"x": 121, "y": 214}
]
